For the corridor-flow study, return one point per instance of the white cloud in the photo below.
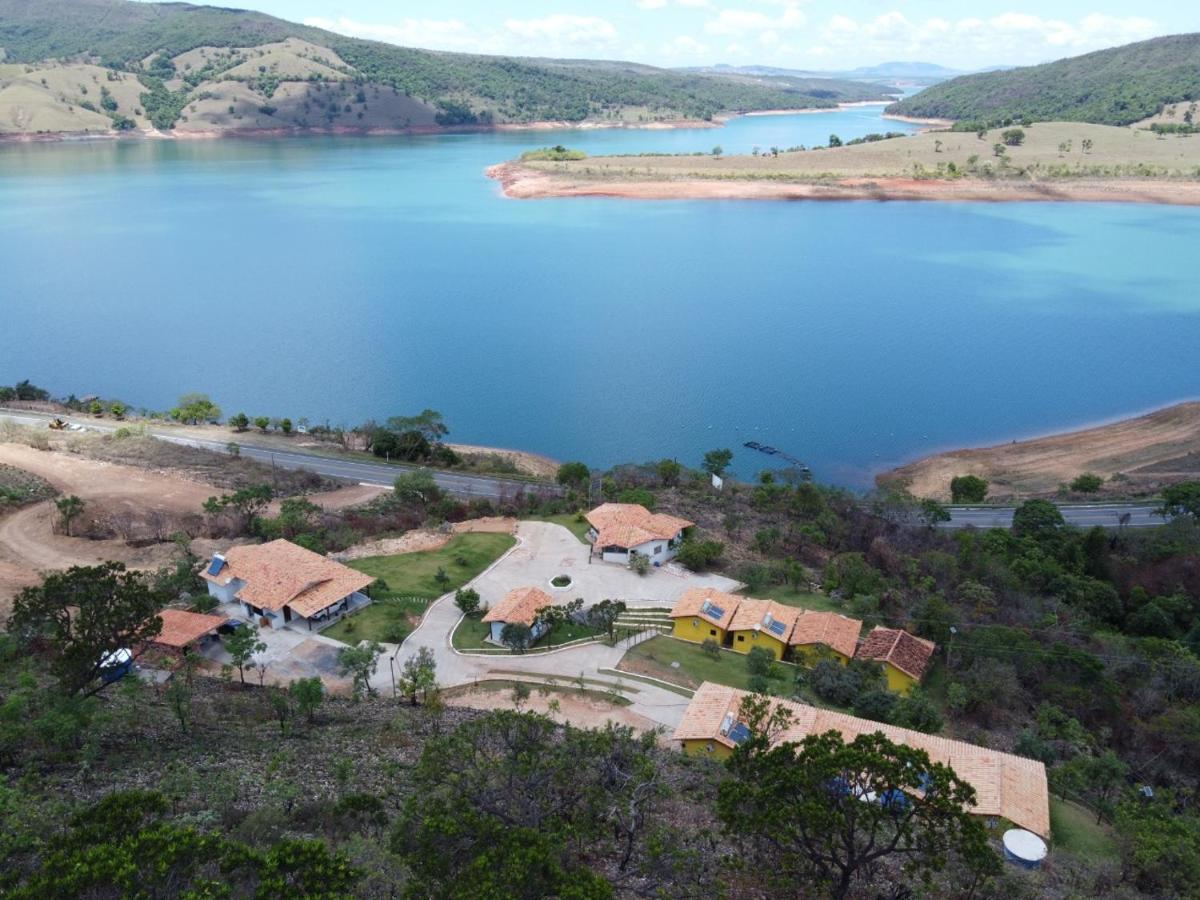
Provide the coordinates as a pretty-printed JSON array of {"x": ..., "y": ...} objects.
[
  {"x": 564, "y": 30},
  {"x": 684, "y": 47},
  {"x": 651, "y": 4},
  {"x": 739, "y": 22},
  {"x": 436, "y": 34}
]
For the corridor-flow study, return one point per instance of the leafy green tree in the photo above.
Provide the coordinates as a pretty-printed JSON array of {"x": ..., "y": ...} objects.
[
  {"x": 418, "y": 675},
  {"x": 711, "y": 648},
  {"x": 428, "y": 422},
  {"x": 1159, "y": 842},
  {"x": 467, "y": 601},
  {"x": 1093, "y": 779},
  {"x": 242, "y": 646},
  {"x": 835, "y": 141},
  {"x": 1182, "y": 499},
  {"x": 669, "y": 472},
  {"x": 69, "y": 509},
  {"x": 918, "y": 712},
  {"x": 118, "y": 409},
  {"x": 262, "y": 423},
  {"x": 1087, "y": 483},
  {"x": 285, "y": 425},
  {"x": 878, "y": 705},
  {"x": 195, "y": 408},
  {"x": 699, "y": 555},
  {"x": 247, "y": 503},
  {"x": 86, "y": 614},
  {"x": 760, "y": 661},
  {"x": 360, "y": 664},
  {"x": 933, "y": 513},
  {"x": 605, "y": 614},
  {"x": 574, "y": 475},
  {"x": 802, "y": 814},
  {"x": 1013, "y": 137},
  {"x": 968, "y": 489},
  {"x": 516, "y": 636},
  {"x": 1037, "y": 519},
  {"x": 308, "y": 694},
  {"x": 417, "y": 487},
  {"x": 717, "y": 461}
]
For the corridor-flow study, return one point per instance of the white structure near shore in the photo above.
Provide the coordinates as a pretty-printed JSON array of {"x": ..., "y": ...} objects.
[
  {"x": 621, "y": 531},
  {"x": 280, "y": 584}
]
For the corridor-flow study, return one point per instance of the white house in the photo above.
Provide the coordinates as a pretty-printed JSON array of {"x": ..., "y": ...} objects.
[
  {"x": 622, "y": 530},
  {"x": 279, "y": 583},
  {"x": 519, "y": 606}
]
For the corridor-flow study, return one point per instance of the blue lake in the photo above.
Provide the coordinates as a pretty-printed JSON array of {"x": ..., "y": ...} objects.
[{"x": 350, "y": 278}]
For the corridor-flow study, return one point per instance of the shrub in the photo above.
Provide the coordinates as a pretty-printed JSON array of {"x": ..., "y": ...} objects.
[
  {"x": 711, "y": 648},
  {"x": 1087, "y": 483}
]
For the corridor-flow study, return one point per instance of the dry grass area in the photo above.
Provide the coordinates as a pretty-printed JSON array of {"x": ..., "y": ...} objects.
[
  {"x": 1146, "y": 453},
  {"x": 582, "y": 711},
  {"x": 1057, "y": 160}
]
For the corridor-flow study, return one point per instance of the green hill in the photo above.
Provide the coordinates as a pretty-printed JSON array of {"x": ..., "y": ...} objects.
[
  {"x": 264, "y": 72},
  {"x": 1110, "y": 87}
]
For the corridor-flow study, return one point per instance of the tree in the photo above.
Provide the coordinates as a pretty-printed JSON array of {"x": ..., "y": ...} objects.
[
  {"x": 360, "y": 663},
  {"x": 574, "y": 475},
  {"x": 933, "y": 513},
  {"x": 832, "y": 811},
  {"x": 262, "y": 423},
  {"x": 69, "y": 508},
  {"x": 835, "y": 141},
  {"x": 711, "y": 648},
  {"x": 195, "y": 408},
  {"x": 239, "y": 422},
  {"x": 968, "y": 489},
  {"x": 516, "y": 636},
  {"x": 418, "y": 675},
  {"x": 118, "y": 409},
  {"x": 669, "y": 471},
  {"x": 1013, "y": 137},
  {"x": 248, "y": 504},
  {"x": 308, "y": 693},
  {"x": 86, "y": 614},
  {"x": 918, "y": 712},
  {"x": 242, "y": 646},
  {"x": 1092, "y": 779},
  {"x": 699, "y": 555},
  {"x": 428, "y": 422},
  {"x": 760, "y": 661},
  {"x": 717, "y": 461},
  {"x": 1037, "y": 518},
  {"x": 1087, "y": 483},
  {"x": 718, "y": 150},
  {"x": 1182, "y": 499},
  {"x": 285, "y": 425},
  {"x": 417, "y": 487},
  {"x": 467, "y": 601},
  {"x": 605, "y": 614}
]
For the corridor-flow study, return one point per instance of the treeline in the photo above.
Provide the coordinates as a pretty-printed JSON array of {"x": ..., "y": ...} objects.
[{"x": 1119, "y": 86}]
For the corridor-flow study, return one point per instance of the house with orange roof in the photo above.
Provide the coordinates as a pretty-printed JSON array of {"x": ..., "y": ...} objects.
[
  {"x": 824, "y": 635},
  {"x": 703, "y": 613},
  {"x": 1007, "y": 786},
  {"x": 280, "y": 584},
  {"x": 519, "y": 606},
  {"x": 621, "y": 531},
  {"x": 905, "y": 658},
  {"x": 186, "y": 632},
  {"x": 762, "y": 623}
]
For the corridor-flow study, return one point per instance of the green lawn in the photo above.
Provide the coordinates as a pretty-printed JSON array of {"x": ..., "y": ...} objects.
[
  {"x": 1075, "y": 830},
  {"x": 410, "y": 585},
  {"x": 789, "y": 596},
  {"x": 654, "y": 658},
  {"x": 567, "y": 521},
  {"x": 412, "y": 574},
  {"x": 472, "y": 632}
]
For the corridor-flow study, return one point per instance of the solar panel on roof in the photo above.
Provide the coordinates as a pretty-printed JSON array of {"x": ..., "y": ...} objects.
[
  {"x": 777, "y": 628},
  {"x": 217, "y": 564},
  {"x": 713, "y": 611},
  {"x": 739, "y": 733}
]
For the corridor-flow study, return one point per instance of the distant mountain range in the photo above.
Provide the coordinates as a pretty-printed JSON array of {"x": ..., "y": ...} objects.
[
  {"x": 104, "y": 65},
  {"x": 1119, "y": 86},
  {"x": 894, "y": 74}
]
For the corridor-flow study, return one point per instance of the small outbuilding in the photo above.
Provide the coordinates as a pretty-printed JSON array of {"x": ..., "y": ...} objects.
[
  {"x": 519, "y": 607},
  {"x": 824, "y": 635},
  {"x": 905, "y": 658},
  {"x": 702, "y": 614},
  {"x": 186, "y": 632}
]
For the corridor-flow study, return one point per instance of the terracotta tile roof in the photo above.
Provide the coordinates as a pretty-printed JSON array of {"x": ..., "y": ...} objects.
[
  {"x": 280, "y": 573},
  {"x": 831, "y": 629},
  {"x": 767, "y": 616},
  {"x": 1005, "y": 785},
  {"x": 630, "y": 525},
  {"x": 180, "y": 627},
  {"x": 519, "y": 605},
  {"x": 908, "y": 653},
  {"x": 709, "y": 604}
]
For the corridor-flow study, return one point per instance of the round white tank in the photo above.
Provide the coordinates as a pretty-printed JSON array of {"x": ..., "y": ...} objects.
[{"x": 1024, "y": 848}]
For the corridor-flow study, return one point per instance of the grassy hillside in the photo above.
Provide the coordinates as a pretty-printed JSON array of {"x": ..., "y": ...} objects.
[
  {"x": 244, "y": 69},
  {"x": 1111, "y": 87}
]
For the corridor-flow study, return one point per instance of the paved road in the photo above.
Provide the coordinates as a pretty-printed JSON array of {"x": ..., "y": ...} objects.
[
  {"x": 1107, "y": 515},
  {"x": 465, "y": 486}
]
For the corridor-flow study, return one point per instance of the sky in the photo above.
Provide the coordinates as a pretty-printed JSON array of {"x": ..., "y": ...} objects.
[{"x": 802, "y": 34}]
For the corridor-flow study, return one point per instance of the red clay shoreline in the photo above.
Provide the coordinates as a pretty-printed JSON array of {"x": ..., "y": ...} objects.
[{"x": 525, "y": 183}]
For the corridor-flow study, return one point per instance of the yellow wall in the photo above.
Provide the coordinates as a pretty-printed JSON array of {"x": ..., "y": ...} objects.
[
  {"x": 811, "y": 654},
  {"x": 702, "y": 748},
  {"x": 754, "y": 639},
  {"x": 898, "y": 682},
  {"x": 697, "y": 629}
]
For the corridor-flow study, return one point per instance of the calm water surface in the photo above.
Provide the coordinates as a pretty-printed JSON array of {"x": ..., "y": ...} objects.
[{"x": 343, "y": 279}]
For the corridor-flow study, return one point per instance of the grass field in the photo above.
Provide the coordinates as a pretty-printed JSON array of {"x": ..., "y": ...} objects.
[
  {"x": 655, "y": 656},
  {"x": 410, "y": 583},
  {"x": 1049, "y": 148},
  {"x": 471, "y": 634},
  {"x": 567, "y": 521},
  {"x": 1075, "y": 830},
  {"x": 789, "y": 596}
]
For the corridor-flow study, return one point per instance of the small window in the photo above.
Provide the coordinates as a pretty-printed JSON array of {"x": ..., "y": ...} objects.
[
  {"x": 657, "y": 549},
  {"x": 695, "y": 623},
  {"x": 741, "y": 637},
  {"x": 712, "y": 632}
]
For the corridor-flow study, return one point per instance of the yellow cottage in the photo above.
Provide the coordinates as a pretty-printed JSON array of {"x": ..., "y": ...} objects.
[
  {"x": 905, "y": 657},
  {"x": 703, "y": 613},
  {"x": 824, "y": 635},
  {"x": 762, "y": 623}
]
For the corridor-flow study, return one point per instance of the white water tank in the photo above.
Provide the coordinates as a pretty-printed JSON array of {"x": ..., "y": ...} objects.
[{"x": 1024, "y": 848}]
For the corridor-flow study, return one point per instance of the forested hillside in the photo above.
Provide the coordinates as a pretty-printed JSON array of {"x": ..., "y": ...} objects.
[
  {"x": 264, "y": 72},
  {"x": 1110, "y": 87}
]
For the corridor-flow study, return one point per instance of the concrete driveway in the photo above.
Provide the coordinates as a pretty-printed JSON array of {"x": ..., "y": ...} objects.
[{"x": 543, "y": 551}]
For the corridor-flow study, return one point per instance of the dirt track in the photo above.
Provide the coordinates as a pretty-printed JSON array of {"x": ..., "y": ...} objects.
[{"x": 1149, "y": 451}]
